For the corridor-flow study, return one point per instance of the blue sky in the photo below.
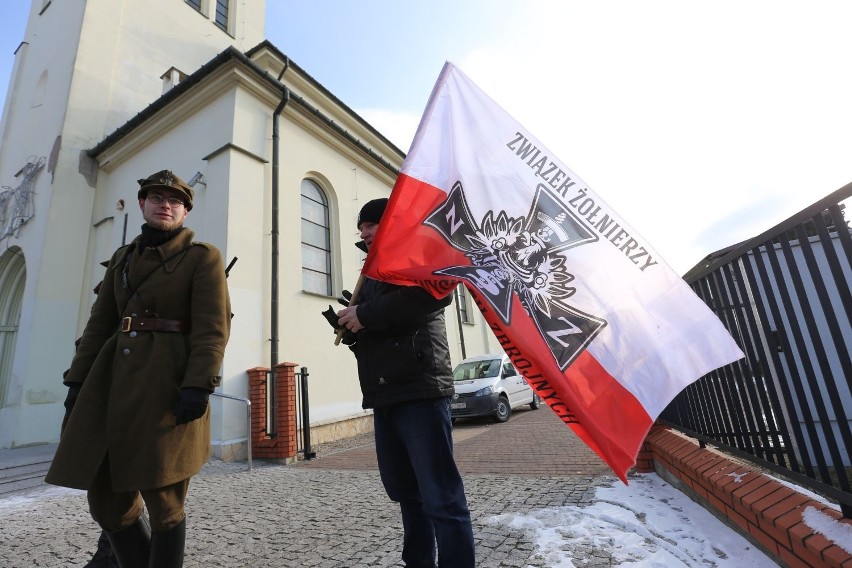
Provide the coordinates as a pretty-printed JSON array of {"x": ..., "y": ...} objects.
[{"x": 702, "y": 124}]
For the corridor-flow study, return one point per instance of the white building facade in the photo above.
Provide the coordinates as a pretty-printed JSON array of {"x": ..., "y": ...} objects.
[{"x": 104, "y": 92}]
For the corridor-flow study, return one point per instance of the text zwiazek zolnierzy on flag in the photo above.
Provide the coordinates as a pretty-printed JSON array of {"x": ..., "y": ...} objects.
[{"x": 599, "y": 325}]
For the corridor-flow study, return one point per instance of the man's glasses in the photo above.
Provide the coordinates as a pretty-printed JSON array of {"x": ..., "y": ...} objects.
[{"x": 158, "y": 199}]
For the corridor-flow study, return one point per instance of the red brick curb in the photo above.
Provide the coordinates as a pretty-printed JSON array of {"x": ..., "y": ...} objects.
[{"x": 765, "y": 511}]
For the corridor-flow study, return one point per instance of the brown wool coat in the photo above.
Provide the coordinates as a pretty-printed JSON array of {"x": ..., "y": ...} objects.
[{"x": 131, "y": 381}]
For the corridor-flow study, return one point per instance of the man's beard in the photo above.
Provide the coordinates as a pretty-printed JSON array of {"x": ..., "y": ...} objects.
[{"x": 163, "y": 224}]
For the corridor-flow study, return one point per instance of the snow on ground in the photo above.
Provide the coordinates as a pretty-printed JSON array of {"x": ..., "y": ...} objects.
[{"x": 646, "y": 524}]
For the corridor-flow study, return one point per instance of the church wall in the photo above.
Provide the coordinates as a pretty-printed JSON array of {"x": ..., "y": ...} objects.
[{"x": 64, "y": 101}]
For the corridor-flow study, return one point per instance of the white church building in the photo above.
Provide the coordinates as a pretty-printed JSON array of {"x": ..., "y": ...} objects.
[{"x": 105, "y": 92}]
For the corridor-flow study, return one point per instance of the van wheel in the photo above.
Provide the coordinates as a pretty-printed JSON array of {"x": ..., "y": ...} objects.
[
  {"x": 536, "y": 403},
  {"x": 504, "y": 411}
]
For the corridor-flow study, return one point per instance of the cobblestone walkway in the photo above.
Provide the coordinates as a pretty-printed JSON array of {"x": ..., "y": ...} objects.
[{"x": 332, "y": 511}]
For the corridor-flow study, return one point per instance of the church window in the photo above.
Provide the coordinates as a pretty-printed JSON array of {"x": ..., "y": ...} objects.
[
  {"x": 222, "y": 14},
  {"x": 316, "y": 240}
]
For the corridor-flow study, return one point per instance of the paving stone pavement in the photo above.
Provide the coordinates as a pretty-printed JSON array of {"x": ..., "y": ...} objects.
[{"x": 332, "y": 511}]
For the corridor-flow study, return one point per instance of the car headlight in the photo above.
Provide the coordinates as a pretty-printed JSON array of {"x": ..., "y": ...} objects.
[{"x": 484, "y": 391}]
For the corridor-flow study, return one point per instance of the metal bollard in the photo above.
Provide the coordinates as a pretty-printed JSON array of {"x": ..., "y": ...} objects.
[{"x": 306, "y": 420}]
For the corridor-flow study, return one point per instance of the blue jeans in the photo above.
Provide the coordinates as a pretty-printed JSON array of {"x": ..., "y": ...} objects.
[{"x": 414, "y": 446}]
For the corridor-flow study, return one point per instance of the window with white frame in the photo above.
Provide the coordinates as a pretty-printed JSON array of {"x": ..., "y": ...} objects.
[
  {"x": 195, "y": 4},
  {"x": 316, "y": 240}
]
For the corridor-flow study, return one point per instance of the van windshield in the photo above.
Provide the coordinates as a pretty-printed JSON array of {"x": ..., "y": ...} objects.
[{"x": 477, "y": 370}]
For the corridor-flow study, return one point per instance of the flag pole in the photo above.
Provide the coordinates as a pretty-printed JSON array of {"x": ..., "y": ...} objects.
[{"x": 339, "y": 335}]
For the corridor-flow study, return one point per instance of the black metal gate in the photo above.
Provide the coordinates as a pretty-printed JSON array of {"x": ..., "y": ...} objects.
[{"x": 785, "y": 298}]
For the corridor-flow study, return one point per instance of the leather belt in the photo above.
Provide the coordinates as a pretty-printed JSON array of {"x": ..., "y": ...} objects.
[{"x": 153, "y": 324}]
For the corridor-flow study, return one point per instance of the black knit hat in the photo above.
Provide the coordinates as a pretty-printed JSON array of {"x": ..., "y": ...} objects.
[{"x": 372, "y": 211}]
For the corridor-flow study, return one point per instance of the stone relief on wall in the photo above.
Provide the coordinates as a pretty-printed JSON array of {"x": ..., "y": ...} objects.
[{"x": 16, "y": 203}]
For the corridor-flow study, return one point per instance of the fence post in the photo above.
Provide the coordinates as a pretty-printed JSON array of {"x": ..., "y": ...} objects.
[
  {"x": 285, "y": 414},
  {"x": 306, "y": 418},
  {"x": 257, "y": 385},
  {"x": 280, "y": 445}
]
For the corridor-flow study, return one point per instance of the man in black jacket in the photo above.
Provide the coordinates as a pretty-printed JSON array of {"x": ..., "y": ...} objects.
[{"x": 406, "y": 377}]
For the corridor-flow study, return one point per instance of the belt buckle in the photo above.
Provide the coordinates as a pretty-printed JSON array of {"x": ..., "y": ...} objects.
[{"x": 125, "y": 324}]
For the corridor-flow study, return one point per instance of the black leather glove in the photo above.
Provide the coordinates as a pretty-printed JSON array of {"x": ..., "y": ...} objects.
[
  {"x": 71, "y": 398},
  {"x": 331, "y": 317},
  {"x": 191, "y": 405},
  {"x": 347, "y": 297}
]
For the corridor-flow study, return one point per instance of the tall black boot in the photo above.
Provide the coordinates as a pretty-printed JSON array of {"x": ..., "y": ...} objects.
[
  {"x": 132, "y": 546},
  {"x": 103, "y": 557},
  {"x": 167, "y": 547}
]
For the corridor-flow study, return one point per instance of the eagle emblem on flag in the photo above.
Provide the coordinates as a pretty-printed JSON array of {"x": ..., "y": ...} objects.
[{"x": 521, "y": 257}]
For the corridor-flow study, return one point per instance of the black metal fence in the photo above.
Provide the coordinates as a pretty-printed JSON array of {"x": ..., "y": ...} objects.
[{"x": 785, "y": 298}]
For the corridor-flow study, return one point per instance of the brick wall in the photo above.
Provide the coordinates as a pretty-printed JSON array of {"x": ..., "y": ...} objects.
[
  {"x": 765, "y": 511},
  {"x": 281, "y": 445}
]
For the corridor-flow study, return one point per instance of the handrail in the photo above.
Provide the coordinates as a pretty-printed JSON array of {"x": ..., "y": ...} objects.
[{"x": 248, "y": 420}]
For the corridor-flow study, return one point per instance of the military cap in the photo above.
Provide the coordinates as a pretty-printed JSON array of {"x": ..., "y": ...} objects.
[{"x": 165, "y": 179}]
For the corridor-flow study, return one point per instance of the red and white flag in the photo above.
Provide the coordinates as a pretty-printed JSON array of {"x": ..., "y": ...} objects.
[{"x": 599, "y": 325}]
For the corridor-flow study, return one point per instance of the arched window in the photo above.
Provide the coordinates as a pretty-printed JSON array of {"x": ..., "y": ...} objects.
[
  {"x": 13, "y": 275},
  {"x": 316, "y": 240}
]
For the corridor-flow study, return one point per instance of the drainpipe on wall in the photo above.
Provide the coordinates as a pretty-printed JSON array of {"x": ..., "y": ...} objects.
[
  {"x": 273, "y": 320},
  {"x": 457, "y": 297}
]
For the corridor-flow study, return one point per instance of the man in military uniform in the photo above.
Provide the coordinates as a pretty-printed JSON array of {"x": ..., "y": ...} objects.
[{"x": 138, "y": 422}]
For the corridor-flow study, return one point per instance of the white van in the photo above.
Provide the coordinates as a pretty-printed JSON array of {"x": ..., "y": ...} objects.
[{"x": 489, "y": 385}]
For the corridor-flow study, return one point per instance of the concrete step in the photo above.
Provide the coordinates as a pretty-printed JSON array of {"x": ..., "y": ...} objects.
[
  {"x": 9, "y": 473},
  {"x": 20, "y": 483},
  {"x": 24, "y": 468}
]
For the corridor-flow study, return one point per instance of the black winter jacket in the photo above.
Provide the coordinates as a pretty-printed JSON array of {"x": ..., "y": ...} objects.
[{"x": 402, "y": 351}]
